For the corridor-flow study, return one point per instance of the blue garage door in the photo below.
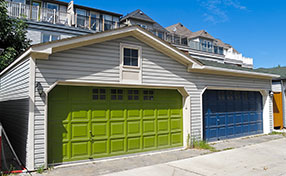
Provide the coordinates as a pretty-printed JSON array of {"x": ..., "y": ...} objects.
[{"x": 231, "y": 114}]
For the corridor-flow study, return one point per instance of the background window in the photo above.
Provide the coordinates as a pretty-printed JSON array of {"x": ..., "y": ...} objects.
[
  {"x": 53, "y": 6},
  {"x": 50, "y": 37},
  {"x": 130, "y": 57}
]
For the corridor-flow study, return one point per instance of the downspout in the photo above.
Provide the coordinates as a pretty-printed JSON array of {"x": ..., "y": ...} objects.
[{"x": 283, "y": 102}]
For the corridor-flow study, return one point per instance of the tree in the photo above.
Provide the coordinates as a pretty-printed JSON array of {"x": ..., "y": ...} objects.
[{"x": 12, "y": 35}]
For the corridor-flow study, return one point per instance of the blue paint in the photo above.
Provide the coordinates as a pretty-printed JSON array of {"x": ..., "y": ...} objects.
[{"x": 231, "y": 114}]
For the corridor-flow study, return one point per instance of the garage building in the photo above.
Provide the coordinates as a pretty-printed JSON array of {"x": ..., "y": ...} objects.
[{"x": 124, "y": 91}]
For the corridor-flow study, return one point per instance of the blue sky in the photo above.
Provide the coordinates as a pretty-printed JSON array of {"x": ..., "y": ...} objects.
[{"x": 257, "y": 28}]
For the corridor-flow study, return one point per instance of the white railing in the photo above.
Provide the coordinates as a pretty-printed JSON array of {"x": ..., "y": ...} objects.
[{"x": 35, "y": 13}]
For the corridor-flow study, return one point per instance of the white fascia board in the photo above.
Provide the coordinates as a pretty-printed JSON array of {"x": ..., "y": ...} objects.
[{"x": 241, "y": 72}]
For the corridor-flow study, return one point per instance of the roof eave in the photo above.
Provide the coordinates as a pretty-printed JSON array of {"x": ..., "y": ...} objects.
[{"x": 232, "y": 72}]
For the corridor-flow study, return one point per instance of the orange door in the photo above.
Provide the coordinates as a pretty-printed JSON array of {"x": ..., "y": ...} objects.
[{"x": 278, "y": 110}]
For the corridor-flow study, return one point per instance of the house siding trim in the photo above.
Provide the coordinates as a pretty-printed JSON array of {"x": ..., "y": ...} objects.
[{"x": 31, "y": 150}]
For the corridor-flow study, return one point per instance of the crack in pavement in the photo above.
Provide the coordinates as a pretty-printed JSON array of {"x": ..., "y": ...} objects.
[{"x": 193, "y": 172}]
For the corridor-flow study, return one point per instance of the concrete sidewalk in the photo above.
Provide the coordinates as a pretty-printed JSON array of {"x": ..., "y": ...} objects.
[
  {"x": 268, "y": 158},
  {"x": 140, "y": 161}
]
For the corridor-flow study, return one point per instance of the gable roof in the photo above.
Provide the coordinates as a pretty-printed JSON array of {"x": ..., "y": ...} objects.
[
  {"x": 139, "y": 15},
  {"x": 201, "y": 33},
  {"x": 180, "y": 29},
  {"x": 43, "y": 50},
  {"x": 275, "y": 70}
]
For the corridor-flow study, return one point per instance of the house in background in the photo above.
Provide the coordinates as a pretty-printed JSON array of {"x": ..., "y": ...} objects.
[
  {"x": 50, "y": 20},
  {"x": 202, "y": 45},
  {"x": 124, "y": 91},
  {"x": 279, "y": 95}
]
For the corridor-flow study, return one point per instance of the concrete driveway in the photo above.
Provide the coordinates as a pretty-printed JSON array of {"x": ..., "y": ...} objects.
[{"x": 267, "y": 158}]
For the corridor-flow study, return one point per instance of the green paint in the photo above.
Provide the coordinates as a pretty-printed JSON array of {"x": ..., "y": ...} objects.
[{"x": 84, "y": 122}]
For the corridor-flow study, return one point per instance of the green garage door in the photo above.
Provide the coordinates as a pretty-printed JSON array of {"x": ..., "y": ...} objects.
[{"x": 93, "y": 122}]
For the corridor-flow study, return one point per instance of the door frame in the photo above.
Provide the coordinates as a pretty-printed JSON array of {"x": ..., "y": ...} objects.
[{"x": 182, "y": 90}]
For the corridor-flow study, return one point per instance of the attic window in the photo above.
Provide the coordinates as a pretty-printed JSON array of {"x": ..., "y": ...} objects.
[{"x": 130, "y": 57}]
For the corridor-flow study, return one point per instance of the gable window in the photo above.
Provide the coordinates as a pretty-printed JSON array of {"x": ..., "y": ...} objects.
[
  {"x": 130, "y": 63},
  {"x": 130, "y": 57}
]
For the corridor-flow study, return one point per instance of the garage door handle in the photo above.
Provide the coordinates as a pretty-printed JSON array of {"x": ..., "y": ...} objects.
[{"x": 90, "y": 132}]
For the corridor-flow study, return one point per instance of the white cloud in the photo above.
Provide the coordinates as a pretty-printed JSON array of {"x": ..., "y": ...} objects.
[{"x": 216, "y": 10}]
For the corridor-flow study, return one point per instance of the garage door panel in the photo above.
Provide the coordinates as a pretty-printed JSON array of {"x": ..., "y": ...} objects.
[
  {"x": 117, "y": 129},
  {"x": 99, "y": 129},
  {"x": 80, "y": 131},
  {"x": 79, "y": 149},
  {"x": 134, "y": 113},
  {"x": 134, "y": 144},
  {"x": 163, "y": 140},
  {"x": 163, "y": 125},
  {"x": 176, "y": 125},
  {"x": 116, "y": 113},
  {"x": 149, "y": 142},
  {"x": 99, "y": 147},
  {"x": 162, "y": 112},
  {"x": 148, "y": 112},
  {"x": 176, "y": 139},
  {"x": 134, "y": 128},
  {"x": 149, "y": 127},
  {"x": 102, "y": 122},
  {"x": 100, "y": 113},
  {"x": 231, "y": 114},
  {"x": 117, "y": 145}
]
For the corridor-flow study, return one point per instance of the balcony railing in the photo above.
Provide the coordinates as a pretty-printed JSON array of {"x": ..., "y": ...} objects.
[
  {"x": 35, "y": 13},
  {"x": 184, "y": 41}
]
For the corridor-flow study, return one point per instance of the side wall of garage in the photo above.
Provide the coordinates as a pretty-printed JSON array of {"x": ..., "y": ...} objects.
[
  {"x": 99, "y": 63},
  {"x": 14, "y": 107}
]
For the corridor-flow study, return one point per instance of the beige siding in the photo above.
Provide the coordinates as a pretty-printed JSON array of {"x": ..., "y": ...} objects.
[
  {"x": 14, "y": 106},
  {"x": 100, "y": 63}
]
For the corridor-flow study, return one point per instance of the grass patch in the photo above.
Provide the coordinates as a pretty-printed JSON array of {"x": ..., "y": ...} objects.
[
  {"x": 199, "y": 144},
  {"x": 278, "y": 133},
  {"x": 203, "y": 145},
  {"x": 229, "y": 148}
]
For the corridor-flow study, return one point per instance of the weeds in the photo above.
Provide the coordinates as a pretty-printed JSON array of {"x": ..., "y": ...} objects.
[
  {"x": 40, "y": 169},
  {"x": 278, "y": 133},
  {"x": 199, "y": 144}
]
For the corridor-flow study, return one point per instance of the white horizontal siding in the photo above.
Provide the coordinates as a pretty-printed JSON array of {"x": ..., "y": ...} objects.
[
  {"x": 276, "y": 86},
  {"x": 100, "y": 63},
  {"x": 14, "y": 106}
]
